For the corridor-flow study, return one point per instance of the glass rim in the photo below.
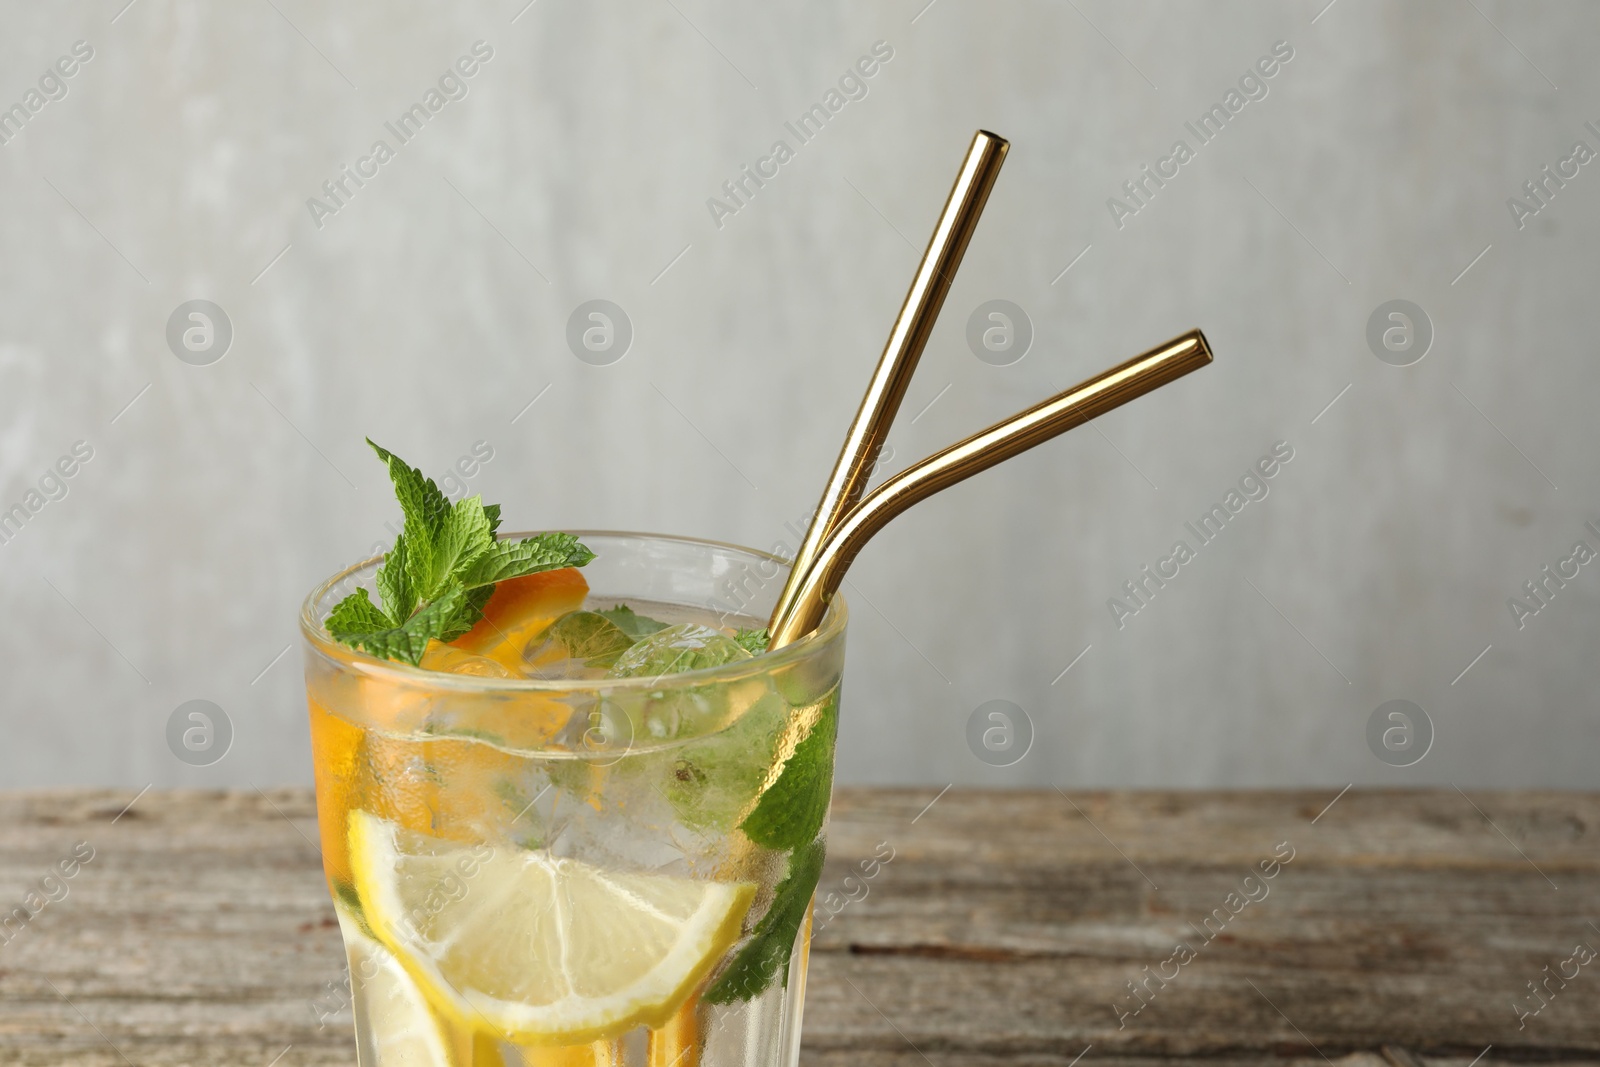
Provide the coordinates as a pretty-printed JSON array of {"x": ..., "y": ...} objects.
[{"x": 396, "y": 672}]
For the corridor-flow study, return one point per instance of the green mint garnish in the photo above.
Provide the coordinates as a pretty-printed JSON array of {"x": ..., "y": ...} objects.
[
  {"x": 767, "y": 953},
  {"x": 788, "y": 818},
  {"x": 753, "y": 641},
  {"x": 791, "y": 813},
  {"x": 359, "y": 623},
  {"x": 631, "y": 622},
  {"x": 588, "y": 636},
  {"x": 441, "y": 570}
]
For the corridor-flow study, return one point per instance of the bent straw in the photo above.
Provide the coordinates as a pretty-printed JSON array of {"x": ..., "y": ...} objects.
[
  {"x": 1084, "y": 401},
  {"x": 900, "y": 355}
]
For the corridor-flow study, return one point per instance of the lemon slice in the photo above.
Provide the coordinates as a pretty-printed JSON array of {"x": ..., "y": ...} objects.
[
  {"x": 535, "y": 949},
  {"x": 400, "y": 1023}
]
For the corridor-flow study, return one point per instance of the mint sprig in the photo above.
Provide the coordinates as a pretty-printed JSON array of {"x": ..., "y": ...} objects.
[
  {"x": 631, "y": 622},
  {"x": 443, "y": 567},
  {"x": 788, "y": 817},
  {"x": 767, "y": 952},
  {"x": 367, "y": 627},
  {"x": 512, "y": 559},
  {"x": 753, "y": 641},
  {"x": 790, "y": 814}
]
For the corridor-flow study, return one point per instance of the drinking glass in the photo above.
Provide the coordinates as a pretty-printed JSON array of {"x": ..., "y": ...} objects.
[{"x": 580, "y": 869}]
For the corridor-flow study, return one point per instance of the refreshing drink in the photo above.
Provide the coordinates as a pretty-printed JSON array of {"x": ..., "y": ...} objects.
[{"x": 585, "y": 828}]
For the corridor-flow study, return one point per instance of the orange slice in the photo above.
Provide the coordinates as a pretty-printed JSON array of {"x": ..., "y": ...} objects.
[{"x": 518, "y": 609}]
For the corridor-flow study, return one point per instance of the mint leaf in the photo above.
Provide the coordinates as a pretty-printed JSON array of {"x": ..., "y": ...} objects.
[
  {"x": 462, "y": 537},
  {"x": 632, "y": 623},
  {"x": 424, "y": 507},
  {"x": 587, "y": 636},
  {"x": 493, "y": 512},
  {"x": 420, "y": 499},
  {"x": 466, "y": 616},
  {"x": 357, "y": 614},
  {"x": 792, "y": 811},
  {"x": 394, "y": 582},
  {"x": 382, "y": 638},
  {"x": 513, "y": 559},
  {"x": 769, "y": 948},
  {"x": 753, "y": 641}
]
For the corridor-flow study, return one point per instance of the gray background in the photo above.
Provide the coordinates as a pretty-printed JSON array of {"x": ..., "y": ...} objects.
[{"x": 433, "y": 307}]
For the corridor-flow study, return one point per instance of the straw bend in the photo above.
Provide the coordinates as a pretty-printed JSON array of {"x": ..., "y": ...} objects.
[{"x": 1083, "y": 402}]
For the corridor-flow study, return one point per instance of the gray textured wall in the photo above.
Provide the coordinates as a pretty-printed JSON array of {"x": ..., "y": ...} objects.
[{"x": 433, "y": 307}]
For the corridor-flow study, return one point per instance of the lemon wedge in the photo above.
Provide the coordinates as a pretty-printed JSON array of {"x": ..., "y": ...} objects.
[
  {"x": 400, "y": 1023},
  {"x": 535, "y": 949}
]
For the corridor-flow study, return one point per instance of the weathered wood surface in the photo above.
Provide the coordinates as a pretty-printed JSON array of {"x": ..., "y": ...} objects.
[{"x": 1003, "y": 930}]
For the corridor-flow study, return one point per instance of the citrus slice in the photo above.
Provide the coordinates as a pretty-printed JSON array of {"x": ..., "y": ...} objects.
[
  {"x": 400, "y": 1024},
  {"x": 518, "y": 609},
  {"x": 536, "y": 949}
]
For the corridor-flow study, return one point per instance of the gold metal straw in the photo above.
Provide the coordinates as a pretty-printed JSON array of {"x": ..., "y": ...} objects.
[
  {"x": 1083, "y": 402},
  {"x": 899, "y": 360}
]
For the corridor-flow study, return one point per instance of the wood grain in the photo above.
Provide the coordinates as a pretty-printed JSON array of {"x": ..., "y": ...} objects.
[{"x": 1003, "y": 930}]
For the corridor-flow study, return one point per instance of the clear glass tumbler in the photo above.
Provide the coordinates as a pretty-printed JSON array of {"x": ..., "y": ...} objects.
[{"x": 580, "y": 870}]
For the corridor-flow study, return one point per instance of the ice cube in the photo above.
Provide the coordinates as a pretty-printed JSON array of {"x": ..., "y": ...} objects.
[
  {"x": 578, "y": 644},
  {"x": 684, "y": 647}
]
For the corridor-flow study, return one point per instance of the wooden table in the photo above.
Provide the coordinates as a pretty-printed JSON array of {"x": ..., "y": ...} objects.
[{"x": 1004, "y": 929}]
